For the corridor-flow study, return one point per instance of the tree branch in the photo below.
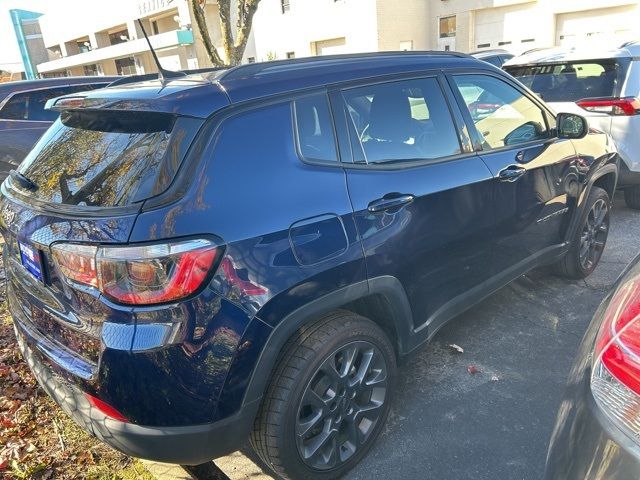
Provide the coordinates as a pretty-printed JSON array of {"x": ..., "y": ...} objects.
[
  {"x": 201, "y": 22},
  {"x": 225, "y": 30},
  {"x": 246, "y": 11}
]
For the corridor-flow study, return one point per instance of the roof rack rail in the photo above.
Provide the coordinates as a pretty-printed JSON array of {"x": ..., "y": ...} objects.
[
  {"x": 629, "y": 43},
  {"x": 538, "y": 49},
  {"x": 258, "y": 67},
  {"x": 154, "y": 76}
]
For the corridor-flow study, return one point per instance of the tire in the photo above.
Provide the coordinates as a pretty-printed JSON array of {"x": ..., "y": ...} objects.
[
  {"x": 592, "y": 233},
  {"x": 303, "y": 398},
  {"x": 632, "y": 197}
]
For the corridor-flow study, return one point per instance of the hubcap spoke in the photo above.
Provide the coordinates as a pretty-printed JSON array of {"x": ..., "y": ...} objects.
[
  {"x": 341, "y": 405},
  {"x": 594, "y": 235},
  {"x": 304, "y": 426}
]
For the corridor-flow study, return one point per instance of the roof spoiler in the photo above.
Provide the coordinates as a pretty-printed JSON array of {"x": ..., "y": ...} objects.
[{"x": 156, "y": 76}]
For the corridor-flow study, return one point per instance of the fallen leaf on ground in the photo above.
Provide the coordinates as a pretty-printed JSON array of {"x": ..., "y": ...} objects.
[
  {"x": 457, "y": 348},
  {"x": 495, "y": 378},
  {"x": 472, "y": 369}
]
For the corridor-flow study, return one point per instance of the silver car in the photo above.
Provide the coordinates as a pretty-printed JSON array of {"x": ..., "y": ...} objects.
[{"x": 603, "y": 86}]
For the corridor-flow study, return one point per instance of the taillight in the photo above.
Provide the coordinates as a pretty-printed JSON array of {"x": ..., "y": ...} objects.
[
  {"x": 613, "y": 106},
  {"x": 615, "y": 379},
  {"x": 105, "y": 408},
  {"x": 139, "y": 275}
]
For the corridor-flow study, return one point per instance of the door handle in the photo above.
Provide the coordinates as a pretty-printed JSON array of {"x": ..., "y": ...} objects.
[
  {"x": 511, "y": 173},
  {"x": 389, "y": 202}
]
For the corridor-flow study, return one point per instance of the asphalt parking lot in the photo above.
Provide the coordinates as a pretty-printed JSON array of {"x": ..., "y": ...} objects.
[{"x": 446, "y": 423}]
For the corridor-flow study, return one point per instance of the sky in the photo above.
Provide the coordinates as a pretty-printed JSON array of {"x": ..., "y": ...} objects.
[{"x": 65, "y": 9}]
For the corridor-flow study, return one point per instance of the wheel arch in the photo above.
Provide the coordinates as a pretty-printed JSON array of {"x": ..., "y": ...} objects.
[
  {"x": 606, "y": 180},
  {"x": 382, "y": 299}
]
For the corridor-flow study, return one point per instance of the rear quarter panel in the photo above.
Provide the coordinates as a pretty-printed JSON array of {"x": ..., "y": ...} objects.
[{"x": 251, "y": 190}]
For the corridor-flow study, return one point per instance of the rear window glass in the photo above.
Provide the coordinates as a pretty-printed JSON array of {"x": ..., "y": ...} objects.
[
  {"x": 571, "y": 81},
  {"x": 101, "y": 158}
]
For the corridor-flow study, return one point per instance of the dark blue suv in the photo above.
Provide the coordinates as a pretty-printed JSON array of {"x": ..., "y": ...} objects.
[{"x": 247, "y": 254}]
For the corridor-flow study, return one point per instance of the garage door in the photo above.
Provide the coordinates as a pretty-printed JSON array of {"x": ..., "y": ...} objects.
[
  {"x": 611, "y": 25},
  {"x": 510, "y": 28},
  {"x": 330, "y": 47}
]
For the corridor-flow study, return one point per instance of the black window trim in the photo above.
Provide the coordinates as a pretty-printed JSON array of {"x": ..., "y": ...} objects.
[
  {"x": 462, "y": 131},
  {"x": 475, "y": 135},
  {"x": 296, "y": 136},
  {"x": 31, "y": 90}
]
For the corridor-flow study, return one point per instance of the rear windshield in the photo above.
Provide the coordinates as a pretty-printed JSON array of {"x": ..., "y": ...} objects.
[
  {"x": 571, "y": 81},
  {"x": 103, "y": 158}
]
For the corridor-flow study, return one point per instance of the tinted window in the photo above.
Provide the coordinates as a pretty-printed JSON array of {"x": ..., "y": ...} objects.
[
  {"x": 407, "y": 120},
  {"x": 30, "y": 105},
  {"x": 100, "y": 159},
  {"x": 16, "y": 107},
  {"x": 315, "y": 128},
  {"x": 494, "y": 60},
  {"x": 502, "y": 114},
  {"x": 570, "y": 82}
]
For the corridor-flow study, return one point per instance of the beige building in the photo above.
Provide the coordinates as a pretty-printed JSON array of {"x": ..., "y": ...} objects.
[
  {"x": 110, "y": 41},
  {"x": 520, "y": 25},
  {"x": 285, "y": 28}
]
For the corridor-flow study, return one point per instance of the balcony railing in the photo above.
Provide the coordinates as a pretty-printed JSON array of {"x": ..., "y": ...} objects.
[{"x": 173, "y": 38}]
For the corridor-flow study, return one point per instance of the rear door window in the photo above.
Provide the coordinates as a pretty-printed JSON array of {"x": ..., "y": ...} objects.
[
  {"x": 105, "y": 158},
  {"x": 570, "y": 81},
  {"x": 401, "y": 121}
]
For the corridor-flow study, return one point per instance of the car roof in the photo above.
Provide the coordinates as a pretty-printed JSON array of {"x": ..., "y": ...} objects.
[
  {"x": 563, "y": 54},
  {"x": 491, "y": 53},
  {"x": 203, "y": 94},
  {"x": 26, "y": 85}
]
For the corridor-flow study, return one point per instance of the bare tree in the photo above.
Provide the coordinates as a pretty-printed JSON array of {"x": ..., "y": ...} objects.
[{"x": 234, "y": 40}]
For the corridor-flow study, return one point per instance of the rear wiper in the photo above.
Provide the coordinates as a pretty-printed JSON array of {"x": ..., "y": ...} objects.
[{"x": 23, "y": 181}]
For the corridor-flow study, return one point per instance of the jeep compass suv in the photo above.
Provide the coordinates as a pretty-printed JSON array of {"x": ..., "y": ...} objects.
[{"x": 248, "y": 253}]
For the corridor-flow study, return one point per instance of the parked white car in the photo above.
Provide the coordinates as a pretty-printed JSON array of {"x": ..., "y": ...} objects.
[{"x": 603, "y": 86}]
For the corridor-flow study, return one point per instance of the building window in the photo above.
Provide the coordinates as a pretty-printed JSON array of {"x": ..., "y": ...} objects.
[
  {"x": 55, "y": 52},
  {"x": 84, "y": 47},
  {"x": 119, "y": 37},
  {"x": 154, "y": 27},
  {"x": 92, "y": 70},
  {"x": 500, "y": 44},
  {"x": 528, "y": 40},
  {"x": 291, "y": 54},
  {"x": 484, "y": 45},
  {"x": 126, "y": 66},
  {"x": 448, "y": 26},
  {"x": 285, "y": 5},
  {"x": 251, "y": 60}
]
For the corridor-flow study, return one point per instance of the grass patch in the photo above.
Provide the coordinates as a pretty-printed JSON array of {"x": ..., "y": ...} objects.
[{"x": 37, "y": 439}]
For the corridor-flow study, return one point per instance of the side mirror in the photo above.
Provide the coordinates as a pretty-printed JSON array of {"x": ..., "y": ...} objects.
[{"x": 572, "y": 126}]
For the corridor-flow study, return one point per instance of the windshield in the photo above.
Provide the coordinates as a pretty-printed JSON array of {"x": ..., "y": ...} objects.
[
  {"x": 102, "y": 159},
  {"x": 571, "y": 81}
]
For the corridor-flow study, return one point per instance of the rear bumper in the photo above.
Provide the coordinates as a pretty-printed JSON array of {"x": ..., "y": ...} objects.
[
  {"x": 185, "y": 445},
  {"x": 586, "y": 444}
]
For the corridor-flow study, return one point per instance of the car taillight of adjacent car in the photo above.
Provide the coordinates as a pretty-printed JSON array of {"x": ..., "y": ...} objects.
[{"x": 615, "y": 380}]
